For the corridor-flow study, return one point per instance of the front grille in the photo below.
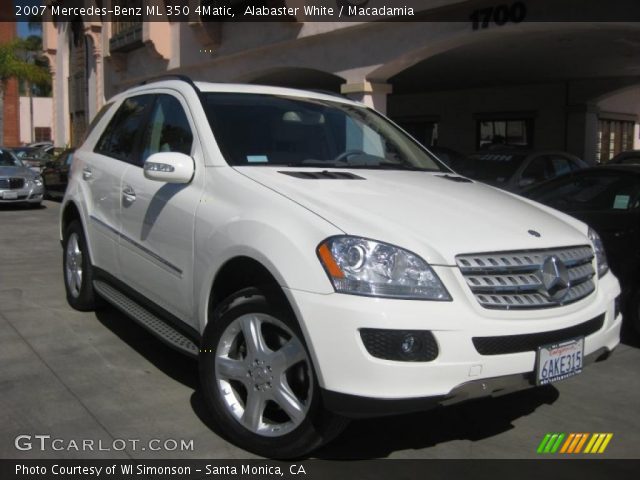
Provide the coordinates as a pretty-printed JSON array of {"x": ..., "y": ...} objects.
[
  {"x": 13, "y": 183},
  {"x": 514, "y": 280},
  {"x": 531, "y": 341}
]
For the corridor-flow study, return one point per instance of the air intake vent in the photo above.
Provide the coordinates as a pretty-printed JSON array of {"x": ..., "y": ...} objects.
[
  {"x": 529, "y": 342},
  {"x": 323, "y": 175},
  {"x": 455, "y": 178}
]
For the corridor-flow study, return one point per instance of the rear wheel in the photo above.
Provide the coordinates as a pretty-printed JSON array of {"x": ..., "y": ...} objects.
[
  {"x": 259, "y": 381},
  {"x": 77, "y": 268}
]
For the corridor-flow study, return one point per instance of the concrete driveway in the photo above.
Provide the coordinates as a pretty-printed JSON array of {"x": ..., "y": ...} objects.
[{"x": 87, "y": 385}]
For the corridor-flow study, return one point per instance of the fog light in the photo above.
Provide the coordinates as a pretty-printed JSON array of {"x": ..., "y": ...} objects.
[
  {"x": 400, "y": 345},
  {"x": 409, "y": 344}
]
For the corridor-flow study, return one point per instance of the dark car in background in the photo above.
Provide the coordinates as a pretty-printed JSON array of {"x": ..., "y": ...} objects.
[
  {"x": 630, "y": 157},
  {"x": 608, "y": 199},
  {"x": 514, "y": 170},
  {"x": 35, "y": 157},
  {"x": 55, "y": 174}
]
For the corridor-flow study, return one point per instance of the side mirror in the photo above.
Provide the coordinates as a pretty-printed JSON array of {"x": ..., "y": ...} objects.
[{"x": 169, "y": 167}]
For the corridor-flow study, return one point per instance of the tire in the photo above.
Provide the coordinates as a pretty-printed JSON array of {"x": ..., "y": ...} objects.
[
  {"x": 263, "y": 394},
  {"x": 77, "y": 269}
]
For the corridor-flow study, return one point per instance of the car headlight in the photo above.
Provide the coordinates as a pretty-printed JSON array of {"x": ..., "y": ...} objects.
[
  {"x": 601, "y": 256},
  {"x": 365, "y": 267},
  {"x": 38, "y": 181}
]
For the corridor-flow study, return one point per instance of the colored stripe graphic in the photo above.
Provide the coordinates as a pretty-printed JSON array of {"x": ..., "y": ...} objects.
[
  {"x": 573, "y": 443},
  {"x": 550, "y": 443},
  {"x": 568, "y": 442},
  {"x": 598, "y": 443},
  {"x": 543, "y": 443},
  {"x": 581, "y": 443},
  {"x": 555, "y": 447},
  {"x": 591, "y": 442}
]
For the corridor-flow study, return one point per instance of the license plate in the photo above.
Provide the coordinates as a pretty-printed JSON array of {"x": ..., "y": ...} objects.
[
  {"x": 559, "y": 361},
  {"x": 9, "y": 195}
]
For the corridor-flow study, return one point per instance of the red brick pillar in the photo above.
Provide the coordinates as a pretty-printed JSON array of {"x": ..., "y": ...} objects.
[{"x": 11, "y": 93}]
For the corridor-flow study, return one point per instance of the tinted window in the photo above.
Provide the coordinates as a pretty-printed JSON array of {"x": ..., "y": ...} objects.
[
  {"x": 605, "y": 191},
  {"x": 96, "y": 119},
  {"x": 168, "y": 129},
  {"x": 537, "y": 171},
  {"x": 560, "y": 166},
  {"x": 119, "y": 138}
]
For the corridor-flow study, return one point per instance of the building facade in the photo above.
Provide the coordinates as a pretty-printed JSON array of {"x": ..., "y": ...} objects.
[
  {"x": 572, "y": 86},
  {"x": 10, "y": 105},
  {"x": 36, "y": 119}
]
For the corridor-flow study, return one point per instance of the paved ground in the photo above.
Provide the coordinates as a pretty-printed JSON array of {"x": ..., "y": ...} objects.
[{"x": 85, "y": 376}]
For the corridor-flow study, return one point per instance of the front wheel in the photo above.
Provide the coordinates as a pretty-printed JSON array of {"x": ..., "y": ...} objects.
[{"x": 259, "y": 381}]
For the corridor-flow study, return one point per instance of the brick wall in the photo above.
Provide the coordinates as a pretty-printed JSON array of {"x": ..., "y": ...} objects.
[{"x": 11, "y": 94}]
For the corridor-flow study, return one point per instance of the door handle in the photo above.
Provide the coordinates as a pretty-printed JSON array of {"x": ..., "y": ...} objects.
[
  {"x": 87, "y": 173},
  {"x": 129, "y": 194}
]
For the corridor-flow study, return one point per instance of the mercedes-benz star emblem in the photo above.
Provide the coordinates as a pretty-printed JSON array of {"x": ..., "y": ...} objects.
[{"x": 555, "y": 279}]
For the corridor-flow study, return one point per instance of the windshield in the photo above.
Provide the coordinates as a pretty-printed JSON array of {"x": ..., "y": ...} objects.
[
  {"x": 491, "y": 167},
  {"x": 268, "y": 130},
  {"x": 8, "y": 159},
  {"x": 24, "y": 152}
]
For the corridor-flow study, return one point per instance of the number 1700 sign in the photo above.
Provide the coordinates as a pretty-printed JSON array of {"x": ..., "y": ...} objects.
[{"x": 499, "y": 15}]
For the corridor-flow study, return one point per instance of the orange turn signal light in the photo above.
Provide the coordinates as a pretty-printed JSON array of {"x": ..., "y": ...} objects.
[{"x": 329, "y": 262}]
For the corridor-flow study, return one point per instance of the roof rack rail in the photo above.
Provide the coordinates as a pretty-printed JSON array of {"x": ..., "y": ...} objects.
[{"x": 174, "y": 76}]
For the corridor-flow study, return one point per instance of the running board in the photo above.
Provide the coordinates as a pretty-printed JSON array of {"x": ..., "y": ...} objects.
[{"x": 158, "y": 327}]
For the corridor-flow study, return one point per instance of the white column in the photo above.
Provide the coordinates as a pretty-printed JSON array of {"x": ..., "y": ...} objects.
[{"x": 372, "y": 94}]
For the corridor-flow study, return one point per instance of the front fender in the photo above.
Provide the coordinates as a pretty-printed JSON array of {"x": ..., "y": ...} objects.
[{"x": 243, "y": 218}]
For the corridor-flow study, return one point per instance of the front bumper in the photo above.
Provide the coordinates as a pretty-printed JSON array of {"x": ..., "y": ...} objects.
[
  {"x": 28, "y": 194},
  {"x": 344, "y": 367},
  {"x": 352, "y": 406}
]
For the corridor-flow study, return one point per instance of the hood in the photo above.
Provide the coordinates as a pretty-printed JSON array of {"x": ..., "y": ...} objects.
[
  {"x": 16, "y": 172},
  {"x": 428, "y": 213}
]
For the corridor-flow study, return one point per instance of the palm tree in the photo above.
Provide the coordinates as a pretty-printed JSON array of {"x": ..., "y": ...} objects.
[{"x": 13, "y": 64}]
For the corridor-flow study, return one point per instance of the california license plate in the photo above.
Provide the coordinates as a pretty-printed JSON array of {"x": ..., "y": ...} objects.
[
  {"x": 559, "y": 361},
  {"x": 9, "y": 195}
]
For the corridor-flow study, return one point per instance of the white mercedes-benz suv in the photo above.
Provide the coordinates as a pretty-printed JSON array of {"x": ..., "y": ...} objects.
[{"x": 320, "y": 263}]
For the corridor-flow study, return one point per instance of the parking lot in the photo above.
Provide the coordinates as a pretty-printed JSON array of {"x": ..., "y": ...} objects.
[{"x": 99, "y": 377}]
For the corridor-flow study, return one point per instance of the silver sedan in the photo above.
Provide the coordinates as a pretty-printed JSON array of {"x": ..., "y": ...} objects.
[{"x": 18, "y": 183}]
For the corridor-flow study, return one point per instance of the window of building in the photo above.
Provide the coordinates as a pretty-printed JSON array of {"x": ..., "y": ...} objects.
[
  {"x": 42, "y": 134},
  {"x": 614, "y": 136},
  {"x": 503, "y": 132}
]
